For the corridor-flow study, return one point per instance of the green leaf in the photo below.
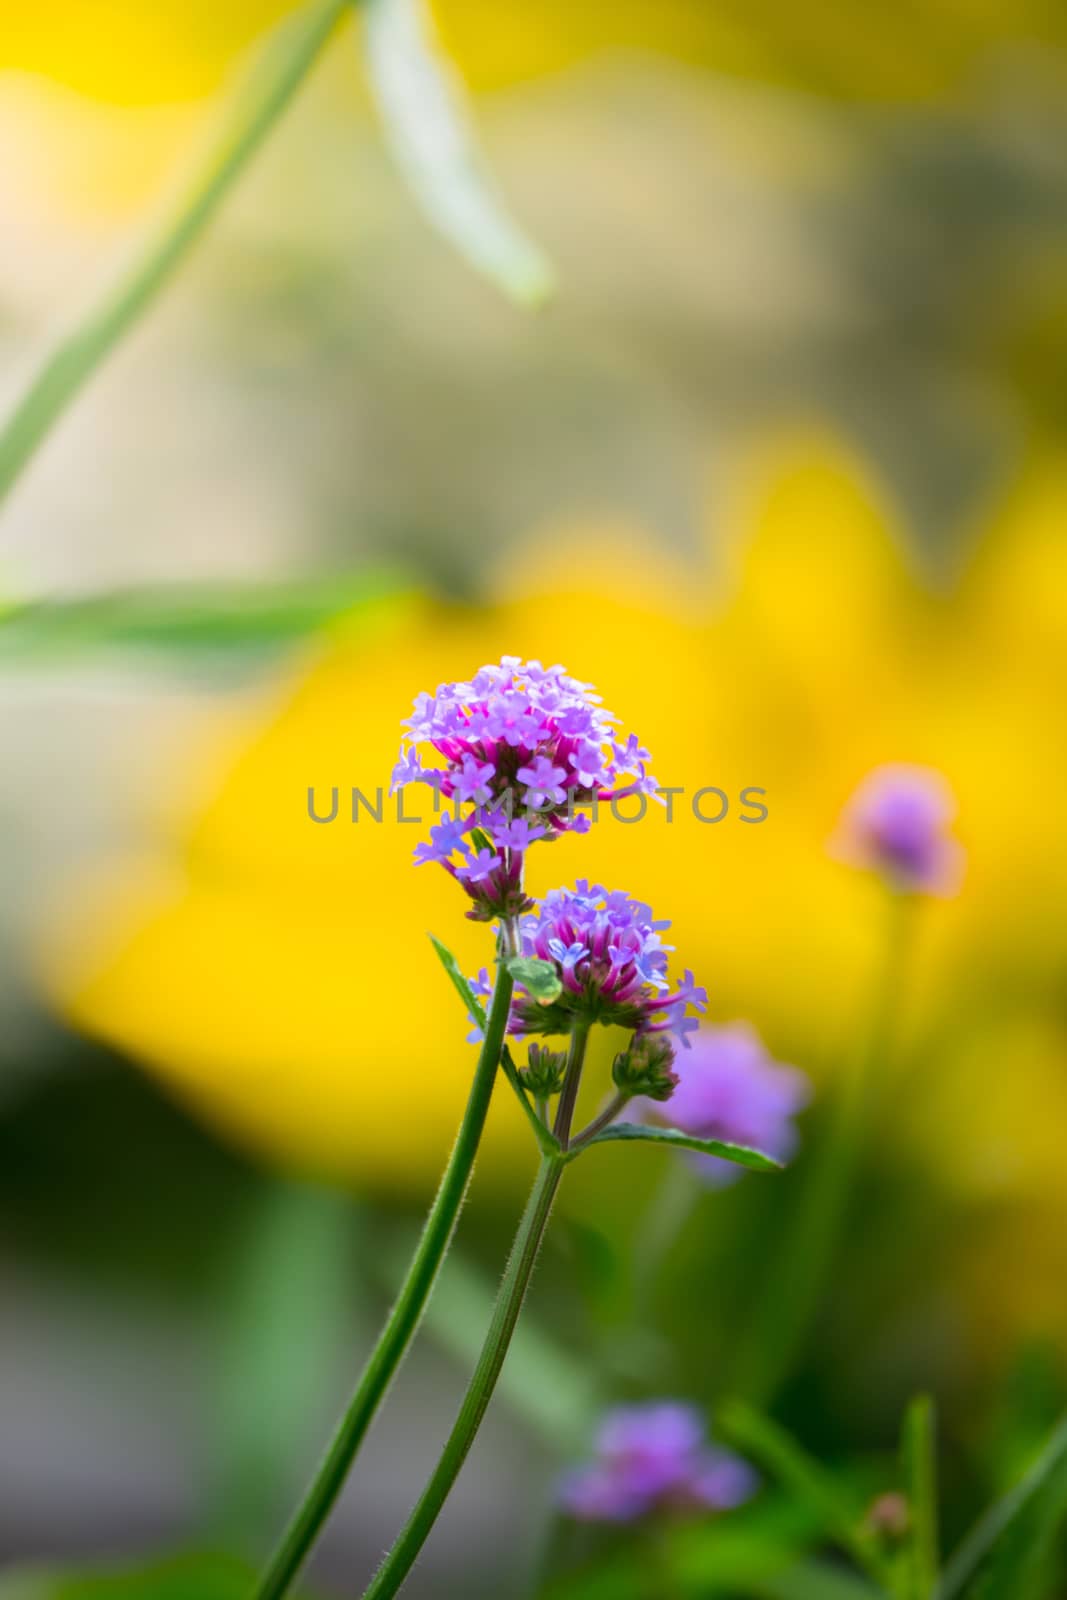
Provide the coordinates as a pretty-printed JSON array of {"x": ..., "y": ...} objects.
[
  {"x": 285, "y": 62},
  {"x": 740, "y": 1154},
  {"x": 539, "y": 978},
  {"x": 189, "y": 621},
  {"x": 919, "y": 1462},
  {"x": 1041, "y": 1495},
  {"x": 771, "y": 1447},
  {"x": 475, "y": 1009},
  {"x": 426, "y": 115}
]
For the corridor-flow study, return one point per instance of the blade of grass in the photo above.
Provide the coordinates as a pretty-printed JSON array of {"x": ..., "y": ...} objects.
[
  {"x": 771, "y": 1447},
  {"x": 1003, "y": 1515},
  {"x": 285, "y": 63},
  {"x": 542, "y": 1382},
  {"x": 426, "y": 115},
  {"x": 187, "y": 621},
  {"x": 918, "y": 1460}
]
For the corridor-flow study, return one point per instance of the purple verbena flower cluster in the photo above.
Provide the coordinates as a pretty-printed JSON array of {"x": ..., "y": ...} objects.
[
  {"x": 610, "y": 958},
  {"x": 896, "y": 824},
  {"x": 654, "y": 1457},
  {"x": 525, "y": 748},
  {"x": 729, "y": 1088}
]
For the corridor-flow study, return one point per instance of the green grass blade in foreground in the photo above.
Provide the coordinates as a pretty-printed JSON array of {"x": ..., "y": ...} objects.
[
  {"x": 427, "y": 118},
  {"x": 1047, "y": 1472},
  {"x": 919, "y": 1463},
  {"x": 772, "y": 1448},
  {"x": 190, "y": 622},
  {"x": 285, "y": 63},
  {"x": 405, "y": 1316}
]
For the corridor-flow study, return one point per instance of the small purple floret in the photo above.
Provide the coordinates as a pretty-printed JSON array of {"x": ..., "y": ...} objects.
[
  {"x": 897, "y": 824},
  {"x": 650, "y": 1458}
]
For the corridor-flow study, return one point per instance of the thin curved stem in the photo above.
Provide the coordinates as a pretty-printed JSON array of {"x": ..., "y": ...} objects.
[
  {"x": 407, "y": 1312},
  {"x": 617, "y": 1103},
  {"x": 398, "y": 1563},
  {"x": 285, "y": 64}
]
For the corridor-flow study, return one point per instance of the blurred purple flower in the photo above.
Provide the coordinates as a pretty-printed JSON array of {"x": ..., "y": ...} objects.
[
  {"x": 654, "y": 1457},
  {"x": 896, "y": 824},
  {"x": 729, "y": 1088}
]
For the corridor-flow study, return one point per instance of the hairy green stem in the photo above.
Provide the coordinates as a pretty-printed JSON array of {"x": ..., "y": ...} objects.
[
  {"x": 72, "y": 361},
  {"x": 410, "y": 1304},
  {"x": 572, "y": 1078},
  {"x": 524, "y": 1252},
  {"x": 398, "y": 1563}
]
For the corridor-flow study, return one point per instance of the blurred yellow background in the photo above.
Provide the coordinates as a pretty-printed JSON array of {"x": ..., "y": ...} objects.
[{"x": 782, "y": 470}]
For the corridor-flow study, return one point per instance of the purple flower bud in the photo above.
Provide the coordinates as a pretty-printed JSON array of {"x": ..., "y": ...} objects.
[
  {"x": 654, "y": 1457},
  {"x": 896, "y": 824},
  {"x": 729, "y": 1088}
]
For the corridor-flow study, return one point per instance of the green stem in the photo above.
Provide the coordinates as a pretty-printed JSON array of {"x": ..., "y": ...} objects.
[
  {"x": 408, "y": 1310},
  {"x": 572, "y": 1078},
  {"x": 401, "y": 1558},
  {"x": 398, "y": 1563},
  {"x": 788, "y": 1309},
  {"x": 72, "y": 361},
  {"x": 616, "y": 1104}
]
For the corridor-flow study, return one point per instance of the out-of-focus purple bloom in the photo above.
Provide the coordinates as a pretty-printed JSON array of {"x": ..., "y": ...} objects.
[
  {"x": 611, "y": 960},
  {"x": 897, "y": 824},
  {"x": 654, "y": 1457},
  {"x": 729, "y": 1088},
  {"x": 518, "y": 738}
]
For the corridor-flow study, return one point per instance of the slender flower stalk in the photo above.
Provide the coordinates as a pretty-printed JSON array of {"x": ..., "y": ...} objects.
[
  {"x": 784, "y": 1320},
  {"x": 398, "y": 1563},
  {"x": 896, "y": 826},
  {"x": 407, "y": 1312}
]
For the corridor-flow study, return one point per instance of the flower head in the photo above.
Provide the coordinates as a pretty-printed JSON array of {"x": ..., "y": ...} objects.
[
  {"x": 654, "y": 1457},
  {"x": 611, "y": 961},
  {"x": 526, "y": 747},
  {"x": 896, "y": 824},
  {"x": 729, "y": 1088}
]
